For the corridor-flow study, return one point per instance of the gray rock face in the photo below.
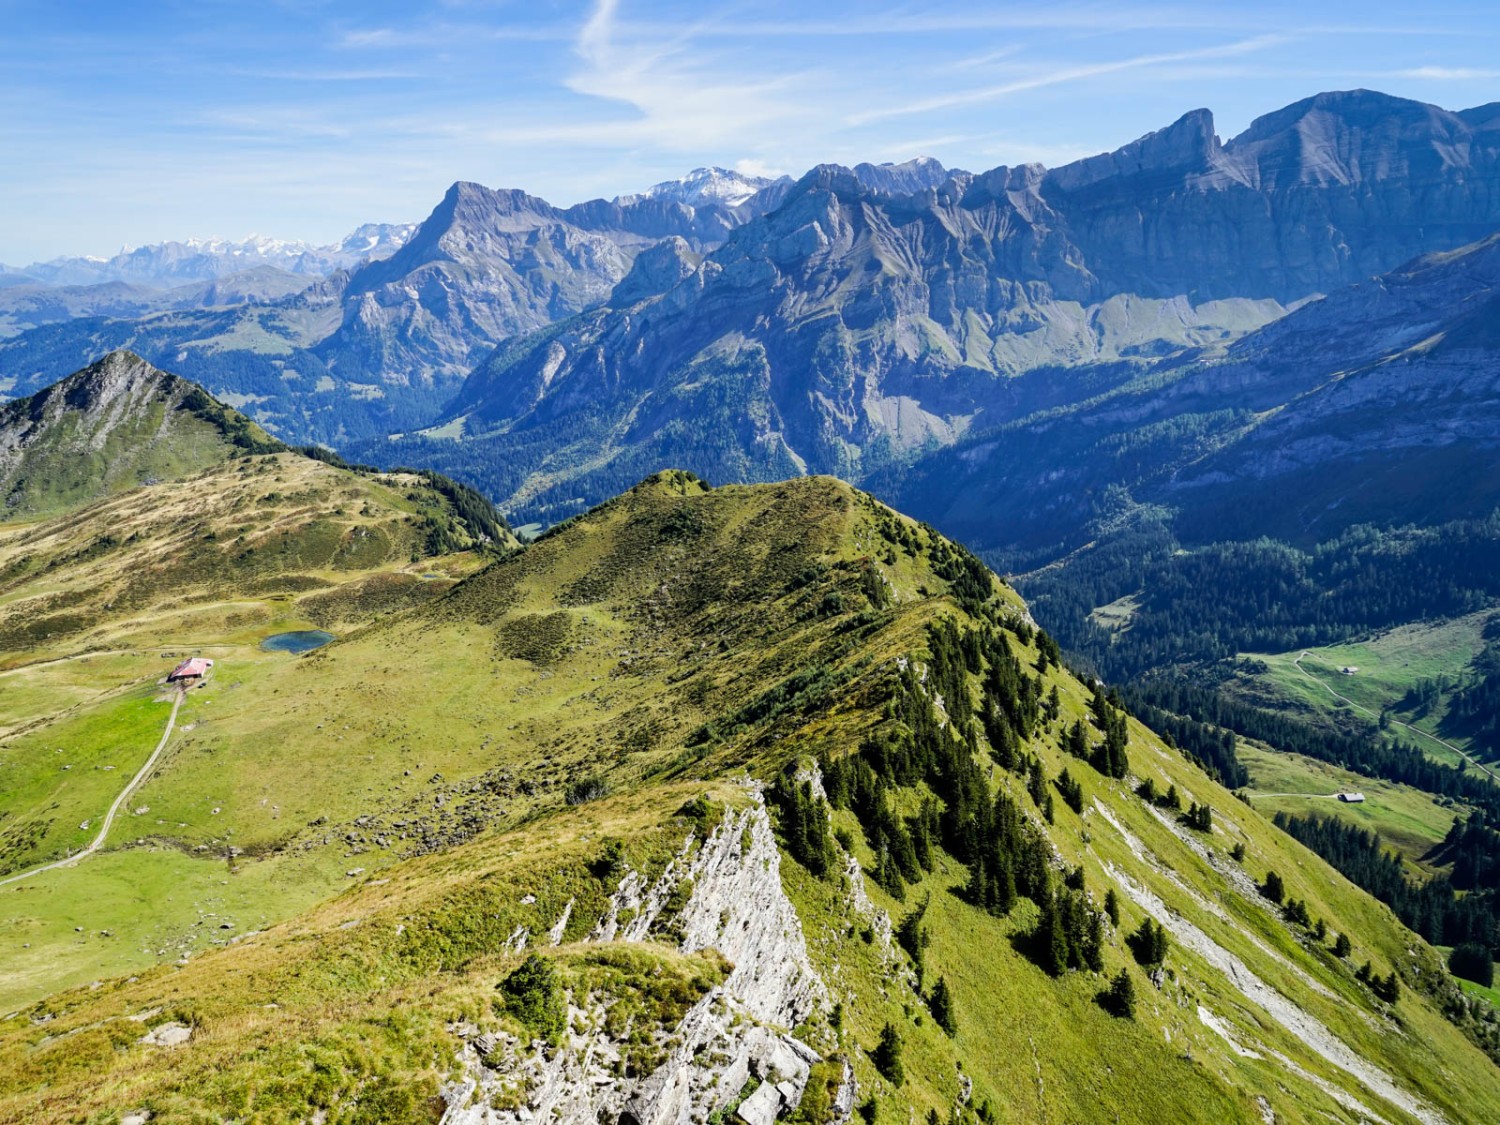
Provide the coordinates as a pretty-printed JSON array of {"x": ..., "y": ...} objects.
[
  {"x": 1325, "y": 192},
  {"x": 740, "y": 1029},
  {"x": 919, "y": 174},
  {"x": 168, "y": 1035},
  {"x": 1379, "y": 403},
  {"x": 487, "y": 265},
  {"x": 655, "y": 271}
]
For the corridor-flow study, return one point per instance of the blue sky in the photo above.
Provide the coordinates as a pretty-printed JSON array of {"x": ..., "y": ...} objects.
[{"x": 125, "y": 123}]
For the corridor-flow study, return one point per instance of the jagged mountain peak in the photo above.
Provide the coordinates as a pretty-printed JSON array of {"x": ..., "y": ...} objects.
[
  {"x": 1349, "y": 137},
  {"x": 118, "y": 379},
  {"x": 920, "y": 173},
  {"x": 1188, "y": 145},
  {"x": 656, "y": 270},
  {"x": 1358, "y": 108}
]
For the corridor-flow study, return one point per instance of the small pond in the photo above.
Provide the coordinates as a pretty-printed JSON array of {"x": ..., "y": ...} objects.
[{"x": 302, "y": 640}]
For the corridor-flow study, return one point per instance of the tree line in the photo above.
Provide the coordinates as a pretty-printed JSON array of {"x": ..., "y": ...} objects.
[{"x": 1431, "y": 908}]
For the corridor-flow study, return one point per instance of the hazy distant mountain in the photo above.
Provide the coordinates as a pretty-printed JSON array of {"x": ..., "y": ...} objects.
[
  {"x": 169, "y": 264},
  {"x": 27, "y": 304}
]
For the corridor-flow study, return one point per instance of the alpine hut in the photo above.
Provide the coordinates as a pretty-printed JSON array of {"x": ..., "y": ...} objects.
[{"x": 191, "y": 671}]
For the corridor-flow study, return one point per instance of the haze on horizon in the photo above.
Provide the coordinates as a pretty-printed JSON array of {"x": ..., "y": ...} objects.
[{"x": 140, "y": 122}]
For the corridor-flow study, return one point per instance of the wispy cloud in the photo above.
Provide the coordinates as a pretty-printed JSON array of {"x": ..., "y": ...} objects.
[
  {"x": 1061, "y": 76},
  {"x": 677, "y": 96},
  {"x": 315, "y": 75},
  {"x": 442, "y": 35},
  {"x": 1448, "y": 74}
]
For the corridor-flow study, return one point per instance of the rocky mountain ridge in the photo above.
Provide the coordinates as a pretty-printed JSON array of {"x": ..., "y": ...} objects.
[{"x": 887, "y": 322}]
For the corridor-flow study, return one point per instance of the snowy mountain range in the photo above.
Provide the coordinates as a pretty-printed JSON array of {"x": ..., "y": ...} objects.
[{"x": 169, "y": 264}]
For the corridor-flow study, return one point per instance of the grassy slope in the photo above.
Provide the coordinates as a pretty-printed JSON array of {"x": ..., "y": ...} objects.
[
  {"x": 599, "y": 651},
  {"x": 211, "y": 564},
  {"x": 113, "y": 426},
  {"x": 159, "y": 444},
  {"x": 1407, "y": 819},
  {"x": 1389, "y": 664}
]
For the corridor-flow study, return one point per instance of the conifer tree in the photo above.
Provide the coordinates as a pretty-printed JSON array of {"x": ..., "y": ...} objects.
[
  {"x": 1051, "y": 938},
  {"x": 887, "y": 1056},
  {"x": 1071, "y": 790},
  {"x": 1077, "y": 741},
  {"x": 911, "y": 937},
  {"x": 940, "y": 1003},
  {"x": 1120, "y": 997},
  {"x": 1273, "y": 888},
  {"x": 1149, "y": 943},
  {"x": 1093, "y": 946}
]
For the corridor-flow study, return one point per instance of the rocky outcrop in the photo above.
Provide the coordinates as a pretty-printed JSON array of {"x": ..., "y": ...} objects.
[{"x": 739, "y": 1031}]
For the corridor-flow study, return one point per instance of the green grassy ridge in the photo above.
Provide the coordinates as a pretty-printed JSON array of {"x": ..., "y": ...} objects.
[
  {"x": 250, "y": 529},
  {"x": 426, "y": 706},
  {"x": 675, "y": 606}
]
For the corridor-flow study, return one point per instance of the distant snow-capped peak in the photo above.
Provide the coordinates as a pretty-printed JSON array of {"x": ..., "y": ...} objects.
[{"x": 704, "y": 186}]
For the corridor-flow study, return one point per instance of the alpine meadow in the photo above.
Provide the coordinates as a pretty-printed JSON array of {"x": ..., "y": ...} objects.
[{"x": 830, "y": 638}]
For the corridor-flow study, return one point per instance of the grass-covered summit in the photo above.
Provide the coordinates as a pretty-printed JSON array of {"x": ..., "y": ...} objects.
[
  {"x": 115, "y": 425},
  {"x": 756, "y": 800}
]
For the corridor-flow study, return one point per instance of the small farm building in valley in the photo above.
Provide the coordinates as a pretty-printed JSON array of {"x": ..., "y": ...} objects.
[{"x": 191, "y": 671}]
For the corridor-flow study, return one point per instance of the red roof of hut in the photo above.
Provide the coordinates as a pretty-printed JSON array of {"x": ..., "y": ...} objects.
[{"x": 194, "y": 666}]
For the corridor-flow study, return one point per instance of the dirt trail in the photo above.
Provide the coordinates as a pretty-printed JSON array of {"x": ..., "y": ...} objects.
[
  {"x": 65, "y": 659},
  {"x": 109, "y": 817},
  {"x": 1395, "y": 723}
]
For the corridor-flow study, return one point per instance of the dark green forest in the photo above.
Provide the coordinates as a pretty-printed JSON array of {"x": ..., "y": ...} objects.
[{"x": 1214, "y": 601}]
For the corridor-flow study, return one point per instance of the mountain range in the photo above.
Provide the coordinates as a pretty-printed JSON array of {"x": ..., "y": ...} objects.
[
  {"x": 166, "y": 265},
  {"x": 914, "y": 296},
  {"x": 848, "y": 331}
]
